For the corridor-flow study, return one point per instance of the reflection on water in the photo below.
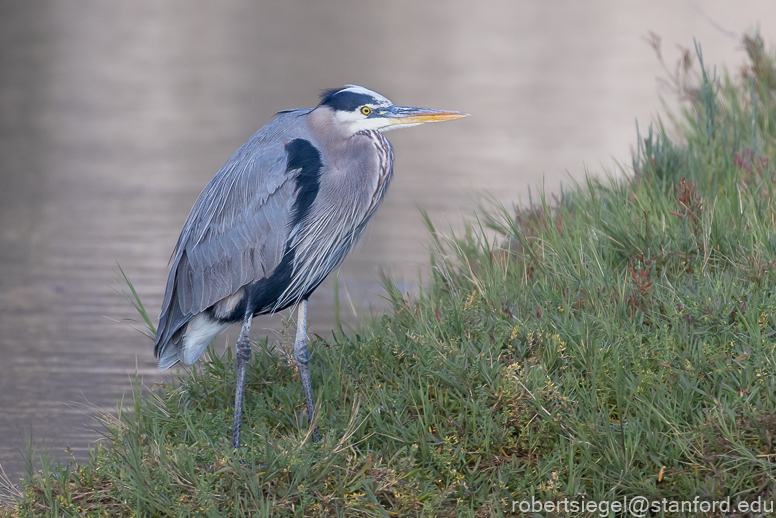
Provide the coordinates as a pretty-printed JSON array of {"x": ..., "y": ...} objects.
[{"x": 113, "y": 116}]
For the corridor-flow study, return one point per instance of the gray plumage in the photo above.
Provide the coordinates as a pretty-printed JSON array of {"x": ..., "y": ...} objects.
[
  {"x": 234, "y": 232},
  {"x": 238, "y": 229},
  {"x": 277, "y": 218}
]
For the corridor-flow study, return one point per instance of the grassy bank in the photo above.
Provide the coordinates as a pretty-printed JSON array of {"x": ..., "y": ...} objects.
[{"x": 616, "y": 340}]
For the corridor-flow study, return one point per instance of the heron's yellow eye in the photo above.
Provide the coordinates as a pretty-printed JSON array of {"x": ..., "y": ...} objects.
[{"x": 366, "y": 110}]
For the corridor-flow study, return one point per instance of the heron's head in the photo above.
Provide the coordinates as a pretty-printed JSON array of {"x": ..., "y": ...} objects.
[{"x": 354, "y": 109}]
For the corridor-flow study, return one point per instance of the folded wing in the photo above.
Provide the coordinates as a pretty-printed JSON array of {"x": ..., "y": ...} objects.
[{"x": 235, "y": 234}]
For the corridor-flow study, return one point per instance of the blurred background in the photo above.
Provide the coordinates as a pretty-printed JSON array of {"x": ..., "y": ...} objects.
[{"x": 114, "y": 115}]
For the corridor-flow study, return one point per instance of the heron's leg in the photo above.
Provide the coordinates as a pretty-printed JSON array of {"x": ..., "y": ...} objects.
[
  {"x": 302, "y": 358},
  {"x": 243, "y": 353}
]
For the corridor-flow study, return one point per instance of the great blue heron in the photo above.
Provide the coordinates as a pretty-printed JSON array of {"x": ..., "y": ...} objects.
[{"x": 275, "y": 220}]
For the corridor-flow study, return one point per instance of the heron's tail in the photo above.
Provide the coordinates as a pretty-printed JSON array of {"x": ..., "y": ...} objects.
[
  {"x": 169, "y": 333},
  {"x": 169, "y": 354},
  {"x": 190, "y": 341}
]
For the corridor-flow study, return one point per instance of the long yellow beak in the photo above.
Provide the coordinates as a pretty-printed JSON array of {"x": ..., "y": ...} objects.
[{"x": 404, "y": 116}]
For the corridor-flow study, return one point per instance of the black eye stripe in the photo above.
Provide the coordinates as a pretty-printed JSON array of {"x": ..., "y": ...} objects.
[{"x": 343, "y": 100}]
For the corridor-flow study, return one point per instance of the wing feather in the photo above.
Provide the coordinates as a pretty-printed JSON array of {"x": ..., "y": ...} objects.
[
  {"x": 236, "y": 232},
  {"x": 224, "y": 230}
]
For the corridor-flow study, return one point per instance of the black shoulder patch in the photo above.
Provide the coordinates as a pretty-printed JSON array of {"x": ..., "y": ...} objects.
[
  {"x": 303, "y": 155},
  {"x": 345, "y": 100}
]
